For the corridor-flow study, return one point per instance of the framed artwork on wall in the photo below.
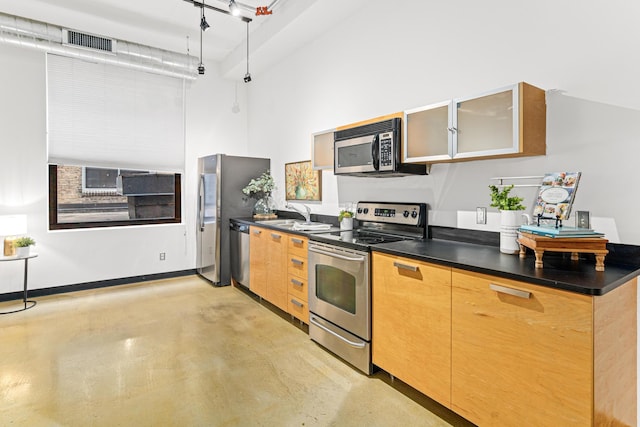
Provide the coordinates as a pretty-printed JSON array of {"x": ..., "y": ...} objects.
[{"x": 302, "y": 182}]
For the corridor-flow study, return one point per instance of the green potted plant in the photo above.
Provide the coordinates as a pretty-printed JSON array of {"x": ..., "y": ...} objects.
[
  {"x": 260, "y": 189},
  {"x": 23, "y": 245},
  {"x": 345, "y": 218},
  {"x": 511, "y": 210}
]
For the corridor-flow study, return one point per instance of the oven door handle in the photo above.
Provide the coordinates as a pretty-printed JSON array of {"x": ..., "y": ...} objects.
[
  {"x": 346, "y": 258},
  {"x": 324, "y": 328}
]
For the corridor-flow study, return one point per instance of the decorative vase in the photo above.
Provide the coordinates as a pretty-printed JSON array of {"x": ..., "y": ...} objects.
[
  {"x": 509, "y": 223},
  {"x": 264, "y": 207},
  {"x": 23, "y": 251},
  {"x": 346, "y": 224},
  {"x": 301, "y": 192}
]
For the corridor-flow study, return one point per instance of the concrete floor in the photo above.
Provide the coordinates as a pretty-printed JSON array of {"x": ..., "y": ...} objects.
[{"x": 180, "y": 352}]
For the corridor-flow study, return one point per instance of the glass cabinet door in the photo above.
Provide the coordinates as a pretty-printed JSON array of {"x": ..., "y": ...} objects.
[
  {"x": 426, "y": 133},
  {"x": 487, "y": 124}
]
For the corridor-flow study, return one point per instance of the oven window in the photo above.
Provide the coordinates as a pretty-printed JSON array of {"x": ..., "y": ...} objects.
[
  {"x": 355, "y": 155},
  {"x": 336, "y": 287}
]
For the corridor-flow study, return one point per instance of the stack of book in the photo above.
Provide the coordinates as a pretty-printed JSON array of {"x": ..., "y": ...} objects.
[{"x": 560, "y": 232}]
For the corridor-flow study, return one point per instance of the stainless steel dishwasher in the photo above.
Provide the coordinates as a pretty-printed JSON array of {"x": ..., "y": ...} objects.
[{"x": 239, "y": 242}]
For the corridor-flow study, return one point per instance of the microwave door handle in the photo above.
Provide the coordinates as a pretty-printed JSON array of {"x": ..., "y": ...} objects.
[{"x": 375, "y": 151}]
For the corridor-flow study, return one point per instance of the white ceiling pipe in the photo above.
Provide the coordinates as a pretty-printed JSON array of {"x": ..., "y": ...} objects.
[{"x": 46, "y": 37}]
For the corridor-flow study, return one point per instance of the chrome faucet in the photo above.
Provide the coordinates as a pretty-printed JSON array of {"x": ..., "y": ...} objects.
[{"x": 306, "y": 214}]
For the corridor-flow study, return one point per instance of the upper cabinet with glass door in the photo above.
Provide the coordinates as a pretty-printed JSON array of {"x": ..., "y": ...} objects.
[{"x": 505, "y": 122}]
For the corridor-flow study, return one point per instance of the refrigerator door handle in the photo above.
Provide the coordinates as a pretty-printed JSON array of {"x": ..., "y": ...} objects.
[{"x": 201, "y": 202}]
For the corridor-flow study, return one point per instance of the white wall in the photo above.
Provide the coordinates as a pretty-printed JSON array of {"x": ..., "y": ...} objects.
[
  {"x": 387, "y": 58},
  {"x": 79, "y": 256}
]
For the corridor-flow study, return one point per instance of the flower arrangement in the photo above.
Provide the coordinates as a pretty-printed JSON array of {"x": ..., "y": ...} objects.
[
  {"x": 502, "y": 201},
  {"x": 261, "y": 187}
]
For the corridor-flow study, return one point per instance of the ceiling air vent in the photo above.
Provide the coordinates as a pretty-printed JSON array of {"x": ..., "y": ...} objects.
[{"x": 89, "y": 41}]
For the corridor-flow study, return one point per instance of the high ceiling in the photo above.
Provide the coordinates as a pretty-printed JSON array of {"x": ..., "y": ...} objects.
[{"x": 174, "y": 25}]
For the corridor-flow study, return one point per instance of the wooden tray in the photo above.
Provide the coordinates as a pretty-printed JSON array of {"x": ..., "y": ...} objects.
[{"x": 574, "y": 245}]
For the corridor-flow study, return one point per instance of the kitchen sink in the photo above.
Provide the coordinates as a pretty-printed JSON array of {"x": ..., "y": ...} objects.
[{"x": 296, "y": 224}]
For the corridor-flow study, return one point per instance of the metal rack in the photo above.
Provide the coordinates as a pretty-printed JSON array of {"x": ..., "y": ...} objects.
[{"x": 501, "y": 180}]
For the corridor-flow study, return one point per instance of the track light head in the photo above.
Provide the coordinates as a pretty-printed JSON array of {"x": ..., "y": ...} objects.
[
  {"x": 233, "y": 8},
  {"x": 204, "y": 25},
  {"x": 247, "y": 78}
]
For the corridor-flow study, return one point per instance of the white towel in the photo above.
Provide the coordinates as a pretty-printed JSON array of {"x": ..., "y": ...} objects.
[{"x": 298, "y": 226}]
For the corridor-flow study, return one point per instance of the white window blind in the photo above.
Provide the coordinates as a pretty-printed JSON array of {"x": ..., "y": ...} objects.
[{"x": 109, "y": 116}]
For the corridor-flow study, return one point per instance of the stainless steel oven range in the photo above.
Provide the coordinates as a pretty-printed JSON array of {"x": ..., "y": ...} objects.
[{"x": 340, "y": 276}]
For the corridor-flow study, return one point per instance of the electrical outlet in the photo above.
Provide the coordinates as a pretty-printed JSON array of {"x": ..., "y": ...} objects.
[
  {"x": 583, "y": 219},
  {"x": 481, "y": 215},
  {"x": 162, "y": 256}
]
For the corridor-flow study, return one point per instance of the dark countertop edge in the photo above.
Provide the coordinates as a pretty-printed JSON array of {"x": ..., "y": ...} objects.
[
  {"x": 481, "y": 240},
  {"x": 572, "y": 287}
]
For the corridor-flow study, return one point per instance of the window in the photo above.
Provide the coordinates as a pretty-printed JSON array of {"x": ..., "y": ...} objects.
[
  {"x": 115, "y": 145},
  {"x": 131, "y": 197},
  {"x": 102, "y": 181}
]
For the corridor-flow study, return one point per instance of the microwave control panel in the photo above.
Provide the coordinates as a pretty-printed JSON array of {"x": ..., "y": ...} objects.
[{"x": 386, "y": 151}]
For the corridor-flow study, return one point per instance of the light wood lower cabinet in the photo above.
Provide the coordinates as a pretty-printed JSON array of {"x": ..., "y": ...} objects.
[
  {"x": 297, "y": 277},
  {"x": 268, "y": 267},
  {"x": 278, "y": 270},
  {"x": 502, "y": 352},
  {"x": 411, "y": 323},
  {"x": 530, "y": 355}
]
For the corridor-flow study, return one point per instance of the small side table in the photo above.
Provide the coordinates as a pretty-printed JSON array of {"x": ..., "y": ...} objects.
[
  {"x": 575, "y": 245},
  {"x": 27, "y": 304}
]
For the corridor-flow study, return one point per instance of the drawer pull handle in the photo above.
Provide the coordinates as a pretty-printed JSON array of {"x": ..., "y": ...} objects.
[
  {"x": 275, "y": 236},
  {"x": 510, "y": 291},
  {"x": 296, "y": 241},
  {"x": 296, "y": 282},
  {"x": 405, "y": 266},
  {"x": 297, "y": 304},
  {"x": 257, "y": 231},
  {"x": 297, "y": 261}
]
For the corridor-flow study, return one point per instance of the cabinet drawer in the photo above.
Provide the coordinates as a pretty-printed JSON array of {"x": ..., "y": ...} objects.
[
  {"x": 297, "y": 265},
  {"x": 298, "y": 287},
  {"x": 516, "y": 347},
  {"x": 298, "y": 245},
  {"x": 299, "y": 309}
]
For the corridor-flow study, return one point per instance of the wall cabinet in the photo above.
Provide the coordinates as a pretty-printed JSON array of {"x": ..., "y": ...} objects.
[
  {"x": 322, "y": 149},
  {"x": 505, "y": 122},
  {"x": 411, "y": 323},
  {"x": 268, "y": 268},
  {"x": 297, "y": 276}
]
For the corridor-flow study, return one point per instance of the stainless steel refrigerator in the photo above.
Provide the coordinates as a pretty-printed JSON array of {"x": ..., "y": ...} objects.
[{"x": 220, "y": 197}]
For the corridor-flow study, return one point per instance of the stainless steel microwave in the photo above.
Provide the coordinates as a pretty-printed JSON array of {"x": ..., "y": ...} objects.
[{"x": 372, "y": 150}]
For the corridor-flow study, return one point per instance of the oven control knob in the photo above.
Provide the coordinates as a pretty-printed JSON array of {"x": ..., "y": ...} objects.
[
  {"x": 405, "y": 214},
  {"x": 359, "y": 210},
  {"x": 414, "y": 214},
  {"x": 366, "y": 211}
]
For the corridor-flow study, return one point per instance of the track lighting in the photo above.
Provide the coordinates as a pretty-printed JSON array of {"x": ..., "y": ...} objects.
[{"x": 233, "y": 8}]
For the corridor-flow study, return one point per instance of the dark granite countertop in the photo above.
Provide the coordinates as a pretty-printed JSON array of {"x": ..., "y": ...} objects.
[
  {"x": 451, "y": 247},
  {"x": 558, "y": 271}
]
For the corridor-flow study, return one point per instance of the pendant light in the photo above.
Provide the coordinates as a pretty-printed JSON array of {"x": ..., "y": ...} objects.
[
  {"x": 247, "y": 76},
  {"x": 203, "y": 26}
]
